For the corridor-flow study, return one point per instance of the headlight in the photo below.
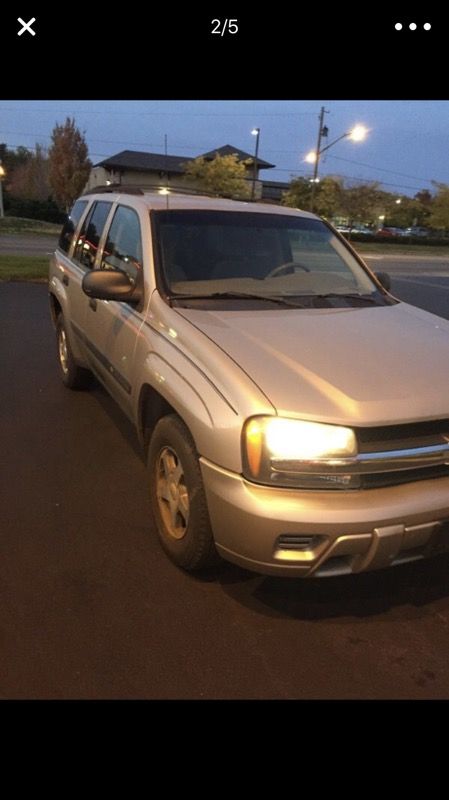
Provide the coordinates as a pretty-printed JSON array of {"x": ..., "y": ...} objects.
[{"x": 290, "y": 452}]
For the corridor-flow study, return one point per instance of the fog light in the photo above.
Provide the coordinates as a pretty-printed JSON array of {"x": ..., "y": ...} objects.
[{"x": 295, "y": 541}]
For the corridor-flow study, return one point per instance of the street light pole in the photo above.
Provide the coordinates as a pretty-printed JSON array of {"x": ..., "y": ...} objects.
[
  {"x": 2, "y": 175},
  {"x": 256, "y": 133},
  {"x": 357, "y": 134},
  {"x": 318, "y": 147},
  {"x": 317, "y": 160}
]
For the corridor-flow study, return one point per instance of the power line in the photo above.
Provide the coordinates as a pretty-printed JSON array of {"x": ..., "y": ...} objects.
[
  {"x": 364, "y": 180},
  {"x": 190, "y": 148},
  {"x": 350, "y": 177},
  {"x": 139, "y": 144},
  {"x": 382, "y": 183},
  {"x": 33, "y": 149},
  {"x": 99, "y": 141},
  {"x": 294, "y": 172},
  {"x": 184, "y": 113},
  {"x": 381, "y": 169}
]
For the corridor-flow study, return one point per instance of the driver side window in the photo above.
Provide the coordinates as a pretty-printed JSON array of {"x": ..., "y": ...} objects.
[{"x": 123, "y": 248}]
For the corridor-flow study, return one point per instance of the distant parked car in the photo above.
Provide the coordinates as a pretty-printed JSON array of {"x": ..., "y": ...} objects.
[
  {"x": 343, "y": 228},
  {"x": 363, "y": 230},
  {"x": 417, "y": 231},
  {"x": 389, "y": 232}
]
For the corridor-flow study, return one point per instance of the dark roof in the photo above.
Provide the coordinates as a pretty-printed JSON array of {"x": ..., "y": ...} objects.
[
  {"x": 229, "y": 150},
  {"x": 274, "y": 189},
  {"x": 276, "y": 184},
  {"x": 145, "y": 162},
  {"x": 158, "y": 162}
]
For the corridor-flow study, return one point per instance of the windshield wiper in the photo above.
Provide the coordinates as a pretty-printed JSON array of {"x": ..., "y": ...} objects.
[
  {"x": 247, "y": 295},
  {"x": 365, "y": 298}
]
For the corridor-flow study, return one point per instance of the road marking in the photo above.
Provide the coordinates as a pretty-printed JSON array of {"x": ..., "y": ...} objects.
[
  {"x": 422, "y": 283},
  {"x": 406, "y": 256}
]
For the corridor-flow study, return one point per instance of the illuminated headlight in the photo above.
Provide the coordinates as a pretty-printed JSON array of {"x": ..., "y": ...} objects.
[{"x": 290, "y": 452}]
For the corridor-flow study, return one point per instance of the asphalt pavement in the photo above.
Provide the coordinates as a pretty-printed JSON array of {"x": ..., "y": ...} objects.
[
  {"x": 422, "y": 281},
  {"x": 27, "y": 244},
  {"x": 91, "y": 607}
]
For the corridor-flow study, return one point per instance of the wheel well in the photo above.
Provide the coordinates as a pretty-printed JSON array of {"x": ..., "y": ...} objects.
[
  {"x": 152, "y": 407},
  {"x": 55, "y": 308}
]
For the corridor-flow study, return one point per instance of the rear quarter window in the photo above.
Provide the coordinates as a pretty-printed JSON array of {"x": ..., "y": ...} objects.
[
  {"x": 90, "y": 234},
  {"x": 70, "y": 226}
]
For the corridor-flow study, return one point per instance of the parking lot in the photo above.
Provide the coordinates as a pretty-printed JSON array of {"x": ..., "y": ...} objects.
[{"x": 91, "y": 607}]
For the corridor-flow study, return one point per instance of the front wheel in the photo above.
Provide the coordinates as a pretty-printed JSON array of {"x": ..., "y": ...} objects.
[
  {"x": 73, "y": 376},
  {"x": 177, "y": 496}
]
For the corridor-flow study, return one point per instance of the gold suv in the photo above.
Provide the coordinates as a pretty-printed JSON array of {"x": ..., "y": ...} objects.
[{"x": 295, "y": 415}]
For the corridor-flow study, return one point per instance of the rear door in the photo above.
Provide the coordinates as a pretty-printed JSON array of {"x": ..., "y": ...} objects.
[{"x": 66, "y": 278}]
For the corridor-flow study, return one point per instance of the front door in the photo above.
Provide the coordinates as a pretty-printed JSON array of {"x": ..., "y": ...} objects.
[
  {"x": 114, "y": 340},
  {"x": 83, "y": 259}
]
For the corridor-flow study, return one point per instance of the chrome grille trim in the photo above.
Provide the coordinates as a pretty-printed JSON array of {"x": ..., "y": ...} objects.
[{"x": 367, "y": 463}]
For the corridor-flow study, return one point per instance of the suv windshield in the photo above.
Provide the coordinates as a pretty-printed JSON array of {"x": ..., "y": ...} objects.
[{"x": 218, "y": 253}]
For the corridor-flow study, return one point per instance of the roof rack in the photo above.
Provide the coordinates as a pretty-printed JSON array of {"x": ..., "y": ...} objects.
[
  {"x": 116, "y": 187},
  {"x": 122, "y": 188}
]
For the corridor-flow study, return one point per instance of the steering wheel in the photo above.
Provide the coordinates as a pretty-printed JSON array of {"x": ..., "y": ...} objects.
[{"x": 289, "y": 266}]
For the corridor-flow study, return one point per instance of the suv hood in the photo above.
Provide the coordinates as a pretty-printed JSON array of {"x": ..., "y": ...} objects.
[{"x": 360, "y": 366}]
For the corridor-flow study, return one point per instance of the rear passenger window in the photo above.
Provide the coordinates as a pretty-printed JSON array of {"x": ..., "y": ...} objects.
[
  {"x": 90, "y": 234},
  {"x": 123, "y": 248},
  {"x": 65, "y": 239}
]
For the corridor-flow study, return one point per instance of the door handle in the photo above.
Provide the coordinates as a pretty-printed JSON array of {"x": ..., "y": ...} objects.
[
  {"x": 93, "y": 304},
  {"x": 65, "y": 279}
]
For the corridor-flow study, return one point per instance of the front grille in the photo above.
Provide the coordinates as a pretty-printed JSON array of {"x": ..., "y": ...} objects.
[
  {"x": 410, "y": 436},
  {"x": 379, "y": 479},
  {"x": 396, "y": 437}
]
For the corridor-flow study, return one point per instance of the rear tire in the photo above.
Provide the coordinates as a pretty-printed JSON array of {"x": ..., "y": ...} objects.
[
  {"x": 177, "y": 496},
  {"x": 72, "y": 376}
]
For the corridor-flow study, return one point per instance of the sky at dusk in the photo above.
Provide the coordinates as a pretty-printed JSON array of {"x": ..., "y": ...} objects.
[{"x": 407, "y": 146}]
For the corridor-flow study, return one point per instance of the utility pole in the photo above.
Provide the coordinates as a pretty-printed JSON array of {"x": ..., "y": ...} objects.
[
  {"x": 317, "y": 159},
  {"x": 2, "y": 175}
]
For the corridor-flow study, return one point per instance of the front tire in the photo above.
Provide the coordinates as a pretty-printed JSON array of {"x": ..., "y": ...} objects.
[
  {"x": 177, "y": 496},
  {"x": 72, "y": 376}
]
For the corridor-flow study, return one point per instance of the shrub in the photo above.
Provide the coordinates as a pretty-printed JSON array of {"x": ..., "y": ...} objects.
[{"x": 45, "y": 210}]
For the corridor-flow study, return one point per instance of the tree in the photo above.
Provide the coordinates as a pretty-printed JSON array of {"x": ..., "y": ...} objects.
[
  {"x": 360, "y": 203},
  {"x": 439, "y": 217},
  {"x": 299, "y": 194},
  {"x": 11, "y": 159},
  {"x": 327, "y": 193},
  {"x": 327, "y": 198},
  {"x": 424, "y": 197},
  {"x": 399, "y": 215},
  {"x": 69, "y": 163},
  {"x": 424, "y": 203},
  {"x": 223, "y": 175},
  {"x": 29, "y": 180}
]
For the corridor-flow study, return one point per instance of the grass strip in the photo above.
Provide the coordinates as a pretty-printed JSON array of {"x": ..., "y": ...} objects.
[
  {"x": 24, "y": 268},
  {"x": 11, "y": 225}
]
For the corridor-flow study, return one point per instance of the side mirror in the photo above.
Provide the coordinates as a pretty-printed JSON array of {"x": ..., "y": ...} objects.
[
  {"x": 111, "y": 285},
  {"x": 384, "y": 280}
]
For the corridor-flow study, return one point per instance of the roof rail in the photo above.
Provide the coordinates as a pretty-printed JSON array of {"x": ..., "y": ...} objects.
[{"x": 122, "y": 188}]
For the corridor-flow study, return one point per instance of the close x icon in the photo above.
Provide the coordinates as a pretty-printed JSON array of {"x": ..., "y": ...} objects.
[{"x": 26, "y": 26}]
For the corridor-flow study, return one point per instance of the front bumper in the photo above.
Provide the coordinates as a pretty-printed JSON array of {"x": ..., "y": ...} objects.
[{"x": 318, "y": 533}]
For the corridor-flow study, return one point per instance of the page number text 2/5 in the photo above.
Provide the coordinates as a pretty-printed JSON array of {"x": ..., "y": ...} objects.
[{"x": 222, "y": 26}]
